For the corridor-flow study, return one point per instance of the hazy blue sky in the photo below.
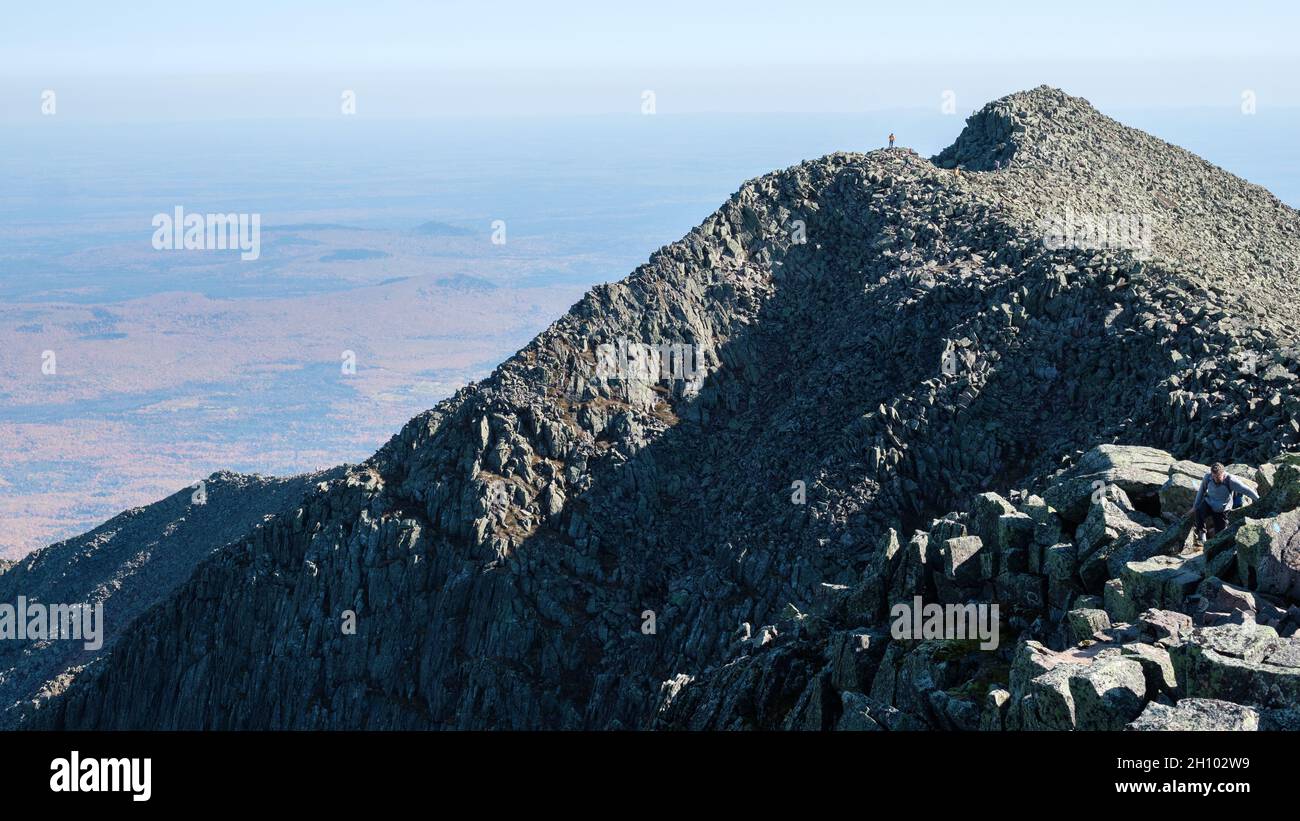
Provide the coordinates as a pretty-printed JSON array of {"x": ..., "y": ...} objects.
[{"x": 244, "y": 58}]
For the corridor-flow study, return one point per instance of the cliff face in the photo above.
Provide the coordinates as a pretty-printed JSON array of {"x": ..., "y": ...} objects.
[
  {"x": 127, "y": 565},
  {"x": 880, "y": 337}
]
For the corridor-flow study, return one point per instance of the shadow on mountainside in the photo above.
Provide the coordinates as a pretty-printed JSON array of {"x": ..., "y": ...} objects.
[{"x": 921, "y": 346}]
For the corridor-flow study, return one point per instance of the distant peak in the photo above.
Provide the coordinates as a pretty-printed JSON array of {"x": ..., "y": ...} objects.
[{"x": 997, "y": 132}]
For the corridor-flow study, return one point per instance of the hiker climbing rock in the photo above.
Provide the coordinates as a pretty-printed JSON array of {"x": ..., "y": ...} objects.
[
  {"x": 891, "y": 139},
  {"x": 1218, "y": 493}
]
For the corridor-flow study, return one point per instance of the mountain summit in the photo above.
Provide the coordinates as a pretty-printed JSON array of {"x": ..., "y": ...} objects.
[{"x": 692, "y": 501}]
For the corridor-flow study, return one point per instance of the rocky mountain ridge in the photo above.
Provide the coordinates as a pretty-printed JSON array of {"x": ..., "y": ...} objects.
[
  {"x": 128, "y": 564},
  {"x": 883, "y": 338}
]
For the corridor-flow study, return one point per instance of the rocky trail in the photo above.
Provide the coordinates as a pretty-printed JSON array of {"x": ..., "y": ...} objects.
[{"x": 1121, "y": 619}]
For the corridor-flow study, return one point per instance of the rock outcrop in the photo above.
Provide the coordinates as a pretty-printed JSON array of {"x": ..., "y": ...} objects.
[
  {"x": 127, "y": 565},
  {"x": 692, "y": 501},
  {"x": 1165, "y": 644}
]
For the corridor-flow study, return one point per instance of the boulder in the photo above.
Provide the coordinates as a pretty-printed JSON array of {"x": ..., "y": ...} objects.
[
  {"x": 951, "y": 526},
  {"x": 1012, "y": 540},
  {"x": 1138, "y": 471},
  {"x": 816, "y": 707},
  {"x": 954, "y": 711},
  {"x": 1162, "y": 582},
  {"x": 911, "y": 569},
  {"x": 1283, "y": 478},
  {"x": 1031, "y": 660},
  {"x": 1088, "y": 601},
  {"x": 860, "y": 712},
  {"x": 1081, "y": 624},
  {"x": 1197, "y": 714},
  {"x": 911, "y": 671},
  {"x": 1246, "y": 663},
  {"x": 1165, "y": 627},
  {"x": 1157, "y": 666},
  {"x": 1119, "y": 605},
  {"x": 1108, "y": 694},
  {"x": 961, "y": 560},
  {"x": 985, "y": 510},
  {"x": 853, "y": 656},
  {"x": 1047, "y": 703},
  {"x": 1221, "y": 553},
  {"x": 1230, "y": 603},
  {"x": 1060, "y": 561},
  {"x": 1264, "y": 478},
  {"x": 1048, "y": 530},
  {"x": 1082, "y": 689},
  {"x": 1024, "y": 592},
  {"x": 1170, "y": 540},
  {"x": 1179, "y": 490},
  {"x": 867, "y": 599},
  {"x": 855, "y": 713},
  {"x": 1108, "y": 529},
  {"x": 1268, "y": 554},
  {"x": 995, "y": 709},
  {"x": 1284, "y": 719},
  {"x": 1059, "y": 565}
]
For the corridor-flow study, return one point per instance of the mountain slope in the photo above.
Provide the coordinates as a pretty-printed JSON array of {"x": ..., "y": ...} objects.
[
  {"x": 128, "y": 564},
  {"x": 503, "y": 553}
]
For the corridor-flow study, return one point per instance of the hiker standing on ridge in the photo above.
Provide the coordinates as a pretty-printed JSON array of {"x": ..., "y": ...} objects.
[
  {"x": 1214, "y": 497},
  {"x": 891, "y": 139}
]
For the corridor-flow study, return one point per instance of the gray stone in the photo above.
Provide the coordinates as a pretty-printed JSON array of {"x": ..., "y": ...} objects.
[
  {"x": 1268, "y": 554},
  {"x": 1165, "y": 627},
  {"x": 1135, "y": 470},
  {"x": 1179, "y": 491},
  {"x": 1108, "y": 694},
  {"x": 1157, "y": 667},
  {"x": 1083, "y": 623},
  {"x": 1245, "y": 663},
  {"x": 1196, "y": 715},
  {"x": 961, "y": 559},
  {"x": 1162, "y": 582},
  {"x": 1118, "y": 604}
]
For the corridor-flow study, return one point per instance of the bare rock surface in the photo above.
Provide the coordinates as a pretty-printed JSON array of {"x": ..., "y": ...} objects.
[
  {"x": 898, "y": 388},
  {"x": 127, "y": 565}
]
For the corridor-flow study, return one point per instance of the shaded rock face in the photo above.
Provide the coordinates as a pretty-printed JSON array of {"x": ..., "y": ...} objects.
[
  {"x": 874, "y": 340},
  {"x": 127, "y": 565}
]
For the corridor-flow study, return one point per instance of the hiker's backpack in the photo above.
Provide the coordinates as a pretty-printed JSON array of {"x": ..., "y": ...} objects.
[{"x": 1234, "y": 501}]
